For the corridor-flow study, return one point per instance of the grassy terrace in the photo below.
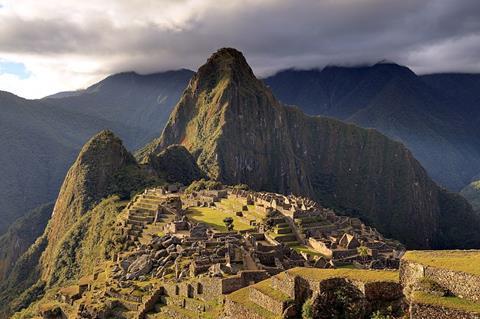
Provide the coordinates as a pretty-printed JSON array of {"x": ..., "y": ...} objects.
[
  {"x": 352, "y": 274},
  {"x": 266, "y": 288},
  {"x": 457, "y": 260},
  {"x": 214, "y": 218},
  {"x": 242, "y": 297},
  {"x": 236, "y": 205},
  {"x": 447, "y": 302},
  {"x": 305, "y": 249}
]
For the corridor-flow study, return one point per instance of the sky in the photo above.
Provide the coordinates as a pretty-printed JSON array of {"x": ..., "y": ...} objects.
[{"x": 50, "y": 46}]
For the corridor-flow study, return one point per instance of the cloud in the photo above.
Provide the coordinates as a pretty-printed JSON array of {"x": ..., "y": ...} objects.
[{"x": 67, "y": 45}]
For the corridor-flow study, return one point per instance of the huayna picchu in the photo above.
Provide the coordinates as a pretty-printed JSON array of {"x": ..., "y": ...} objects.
[
  {"x": 239, "y": 133},
  {"x": 246, "y": 208}
]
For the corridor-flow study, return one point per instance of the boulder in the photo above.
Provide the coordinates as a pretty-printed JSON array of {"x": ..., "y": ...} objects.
[
  {"x": 160, "y": 254},
  {"x": 141, "y": 266}
]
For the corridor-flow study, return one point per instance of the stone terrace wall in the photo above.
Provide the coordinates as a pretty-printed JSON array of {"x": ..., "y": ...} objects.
[
  {"x": 211, "y": 288},
  {"x": 285, "y": 283},
  {"x": 243, "y": 279},
  {"x": 459, "y": 283},
  {"x": 436, "y": 312},
  {"x": 240, "y": 311}
]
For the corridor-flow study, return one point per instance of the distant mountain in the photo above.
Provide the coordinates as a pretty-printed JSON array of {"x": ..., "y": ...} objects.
[
  {"x": 140, "y": 102},
  {"x": 239, "y": 133},
  {"x": 40, "y": 138},
  {"x": 435, "y": 116}
]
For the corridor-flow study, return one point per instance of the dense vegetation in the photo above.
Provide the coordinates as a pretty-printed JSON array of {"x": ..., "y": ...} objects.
[{"x": 436, "y": 116}]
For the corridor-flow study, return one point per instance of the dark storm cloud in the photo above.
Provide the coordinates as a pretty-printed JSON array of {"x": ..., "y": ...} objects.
[{"x": 425, "y": 35}]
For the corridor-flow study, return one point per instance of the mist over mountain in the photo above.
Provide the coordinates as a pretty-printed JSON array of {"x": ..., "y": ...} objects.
[
  {"x": 41, "y": 138},
  {"x": 435, "y": 116}
]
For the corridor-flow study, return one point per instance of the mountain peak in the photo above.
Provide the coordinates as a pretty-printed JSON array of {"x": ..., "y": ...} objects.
[
  {"x": 103, "y": 142},
  {"x": 228, "y": 56},
  {"x": 227, "y": 64}
]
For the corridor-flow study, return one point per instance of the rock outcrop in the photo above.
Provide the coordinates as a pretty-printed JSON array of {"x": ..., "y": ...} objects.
[
  {"x": 176, "y": 165},
  {"x": 239, "y": 133}
]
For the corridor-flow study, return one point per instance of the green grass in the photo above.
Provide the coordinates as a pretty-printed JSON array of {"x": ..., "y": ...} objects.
[
  {"x": 237, "y": 205},
  {"x": 214, "y": 218},
  {"x": 242, "y": 297},
  {"x": 456, "y": 260},
  {"x": 306, "y": 249},
  {"x": 352, "y": 274},
  {"x": 266, "y": 288},
  {"x": 280, "y": 236},
  {"x": 182, "y": 311},
  {"x": 447, "y": 302}
]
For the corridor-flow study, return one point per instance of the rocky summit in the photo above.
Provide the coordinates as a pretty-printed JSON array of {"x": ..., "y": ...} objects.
[{"x": 239, "y": 133}]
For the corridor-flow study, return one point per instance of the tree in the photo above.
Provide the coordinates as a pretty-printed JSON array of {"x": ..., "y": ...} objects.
[
  {"x": 228, "y": 223},
  {"x": 362, "y": 252}
]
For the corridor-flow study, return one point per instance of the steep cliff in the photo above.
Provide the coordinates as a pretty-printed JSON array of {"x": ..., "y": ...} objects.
[
  {"x": 21, "y": 235},
  {"x": 239, "y": 133},
  {"x": 435, "y": 116}
]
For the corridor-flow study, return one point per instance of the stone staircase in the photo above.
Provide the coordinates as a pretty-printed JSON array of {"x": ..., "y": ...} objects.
[
  {"x": 260, "y": 301},
  {"x": 146, "y": 216}
]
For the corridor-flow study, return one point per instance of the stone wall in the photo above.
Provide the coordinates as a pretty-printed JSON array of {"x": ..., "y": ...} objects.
[
  {"x": 240, "y": 311},
  {"x": 243, "y": 279},
  {"x": 459, "y": 283},
  {"x": 320, "y": 247},
  {"x": 285, "y": 283},
  {"x": 267, "y": 302},
  {"x": 211, "y": 288},
  {"x": 384, "y": 291},
  {"x": 437, "y": 312}
]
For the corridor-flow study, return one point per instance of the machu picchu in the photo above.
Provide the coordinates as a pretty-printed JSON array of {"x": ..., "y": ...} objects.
[
  {"x": 240, "y": 206},
  {"x": 168, "y": 253}
]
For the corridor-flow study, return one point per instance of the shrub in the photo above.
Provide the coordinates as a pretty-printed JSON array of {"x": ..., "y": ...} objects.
[
  {"x": 241, "y": 187},
  {"x": 431, "y": 287},
  {"x": 378, "y": 315},
  {"x": 203, "y": 184},
  {"x": 307, "y": 309}
]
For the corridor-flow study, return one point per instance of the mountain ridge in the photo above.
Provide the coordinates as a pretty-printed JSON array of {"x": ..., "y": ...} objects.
[
  {"x": 412, "y": 109},
  {"x": 43, "y": 136}
]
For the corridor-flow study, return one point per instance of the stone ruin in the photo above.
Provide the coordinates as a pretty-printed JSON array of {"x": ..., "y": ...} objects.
[{"x": 339, "y": 239}]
